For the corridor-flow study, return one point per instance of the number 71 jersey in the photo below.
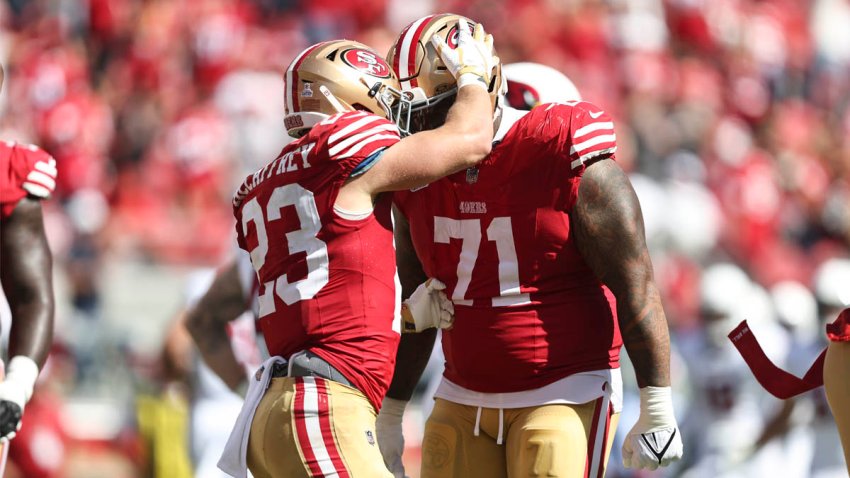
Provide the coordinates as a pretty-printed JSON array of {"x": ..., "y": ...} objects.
[
  {"x": 327, "y": 283},
  {"x": 528, "y": 309}
]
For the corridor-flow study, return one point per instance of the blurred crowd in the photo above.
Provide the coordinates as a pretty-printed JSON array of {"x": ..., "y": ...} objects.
[{"x": 732, "y": 118}]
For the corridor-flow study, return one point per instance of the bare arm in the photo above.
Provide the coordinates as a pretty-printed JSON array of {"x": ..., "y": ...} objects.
[
  {"x": 463, "y": 140},
  {"x": 207, "y": 323},
  {"x": 609, "y": 230},
  {"x": 414, "y": 350},
  {"x": 27, "y": 279}
]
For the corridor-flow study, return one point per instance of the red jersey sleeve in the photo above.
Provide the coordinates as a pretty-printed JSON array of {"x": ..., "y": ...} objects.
[
  {"x": 24, "y": 170},
  {"x": 350, "y": 138},
  {"x": 578, "y": 131}
]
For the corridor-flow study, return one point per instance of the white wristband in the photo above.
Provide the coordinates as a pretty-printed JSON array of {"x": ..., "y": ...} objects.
[
  {"x": 24, "y": 371},
  {"x": 656, "y": 409},
  {"x": 470, "y": 79}
]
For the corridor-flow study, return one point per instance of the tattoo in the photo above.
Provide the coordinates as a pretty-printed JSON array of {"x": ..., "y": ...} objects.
[{"x": 609, "y": 234}]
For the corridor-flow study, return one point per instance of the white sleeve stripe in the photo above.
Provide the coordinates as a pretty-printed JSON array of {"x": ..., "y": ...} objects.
[
  {"x": 593, "y": 127},
  {"x": 360, "y": 123},
  {"x": 578, "y": 162},
  {"x": 357, "y": 137},
  {"x": 357, "y": 147},
  {"x": 36, "y": 189},
  {"x": 48, "y": 167},
  {"x": 600, "y": 152},
  {"x": 40, "y": 178},
  {"x": 581, "y": 148}
]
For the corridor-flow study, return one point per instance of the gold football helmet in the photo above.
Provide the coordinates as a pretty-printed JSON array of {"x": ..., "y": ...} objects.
[
  {"x": 336, "y": 76},
  {"x": 423, "y": 76}
]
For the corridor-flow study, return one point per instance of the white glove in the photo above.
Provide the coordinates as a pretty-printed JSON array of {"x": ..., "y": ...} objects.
[
  {"x": 390, "y": 437},
  {"x": 655, "y": 439},
  {"x": 15, "y": 392},
  {"x": 472, "y": 62},
  {"x": 428, "y": 307}
]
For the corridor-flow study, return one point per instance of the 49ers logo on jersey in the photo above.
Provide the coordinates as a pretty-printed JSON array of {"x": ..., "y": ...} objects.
[
  {"x": 451, "y": 38},
  {"x": 367, "y": 62}
]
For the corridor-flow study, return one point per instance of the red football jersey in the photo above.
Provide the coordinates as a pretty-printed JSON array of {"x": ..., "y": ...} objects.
[
  {"x": 528, "y": 309},
  {"x": 24, "y": 170},
  {"x": 327, "y": 284}
]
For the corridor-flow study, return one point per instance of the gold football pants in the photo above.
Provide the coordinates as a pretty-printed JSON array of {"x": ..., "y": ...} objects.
[
  {"x": 836, "y": 381},
  {"x": 312, "y": 427},
  {"x": 544, "y": 441}
]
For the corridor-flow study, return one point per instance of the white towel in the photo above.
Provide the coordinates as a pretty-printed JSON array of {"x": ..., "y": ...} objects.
[{"x": 234, "y": 458}]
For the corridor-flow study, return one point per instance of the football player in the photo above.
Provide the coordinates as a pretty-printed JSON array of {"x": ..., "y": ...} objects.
[
  {"x": 27, "y": 176},
  {"x": 319, "y": 231},
  {"x": 533, "y": 245}
]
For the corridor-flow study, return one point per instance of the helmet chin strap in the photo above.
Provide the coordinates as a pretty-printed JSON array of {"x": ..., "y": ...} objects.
[
  {"x": 332, "y": 99},
  {"x": 497, "y": 114}
]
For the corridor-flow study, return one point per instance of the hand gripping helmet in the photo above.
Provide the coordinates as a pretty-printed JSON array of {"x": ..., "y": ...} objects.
[
  {"x": 336, "y": 76},
  {"x": 423, "y": 76},
  {"x": 532, "y": 84}
]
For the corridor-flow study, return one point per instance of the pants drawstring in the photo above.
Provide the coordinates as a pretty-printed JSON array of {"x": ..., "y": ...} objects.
[{"x": 501, "y": 426}]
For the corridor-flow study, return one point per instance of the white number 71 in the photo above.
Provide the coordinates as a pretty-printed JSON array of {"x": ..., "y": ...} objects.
[{"x": 469, "y": 232}]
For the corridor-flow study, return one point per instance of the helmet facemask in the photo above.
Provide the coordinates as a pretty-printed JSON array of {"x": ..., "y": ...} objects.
[{"x": 423, "y": 76}]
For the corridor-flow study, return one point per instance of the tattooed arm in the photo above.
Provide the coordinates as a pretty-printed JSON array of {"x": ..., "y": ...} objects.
[
  {"x": 609, "y": 231},
  {"x": 207, "y": 323},
  {"x": 609, "y": 234}
]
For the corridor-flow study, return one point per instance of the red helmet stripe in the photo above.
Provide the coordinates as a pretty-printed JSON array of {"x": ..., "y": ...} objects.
[
  {"x": 405, "y": 60},
  {"x": 411, "y": 55},
  {"x": 398, "y": 50},
  {"x": 292, "y": 78}
]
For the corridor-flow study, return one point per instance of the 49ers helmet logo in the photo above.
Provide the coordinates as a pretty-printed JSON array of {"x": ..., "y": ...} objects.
[
  {"x": 367, "y": 62},
  {"x": 451, "y": 38}
]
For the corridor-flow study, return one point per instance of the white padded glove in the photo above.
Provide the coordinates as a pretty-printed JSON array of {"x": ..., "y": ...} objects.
[
  {"x": 472, "y": 62},
  {"x": 390, "y": 436},
  {"x": 15, "y": 392},
  {"x": 428, "y": 307},
  {"x": 655, "y": 439}
]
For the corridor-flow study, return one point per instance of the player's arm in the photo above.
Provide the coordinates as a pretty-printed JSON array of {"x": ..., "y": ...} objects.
[
  {"x": 414, "y": 350},
  {"x": 610, "y": 237},
  {"x": 460, "y": 143},
  {"x": 467, "y": 134},
  {"x": 27, "y": 280},
  {"x": 207, "y": 323},
  {"x": 609, "y": 230}
]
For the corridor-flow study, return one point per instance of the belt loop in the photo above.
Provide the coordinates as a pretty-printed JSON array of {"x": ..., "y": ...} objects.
[{"x": 477, "y": 430}]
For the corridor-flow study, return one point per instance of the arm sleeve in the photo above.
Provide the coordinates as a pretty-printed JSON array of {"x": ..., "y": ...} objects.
[
  {"x": 580, "y": 132},
  {"x": 28, "y": 171},
  {"x": 357, "y": 140}
]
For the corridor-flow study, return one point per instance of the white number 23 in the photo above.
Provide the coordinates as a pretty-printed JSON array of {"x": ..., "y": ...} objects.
[{"x": 300, "y": 240}]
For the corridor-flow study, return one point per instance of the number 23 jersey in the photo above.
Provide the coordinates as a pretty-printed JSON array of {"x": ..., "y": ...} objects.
[
  {"x": 327, "y": 282},
  {"x": 528, "y": 309}
]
